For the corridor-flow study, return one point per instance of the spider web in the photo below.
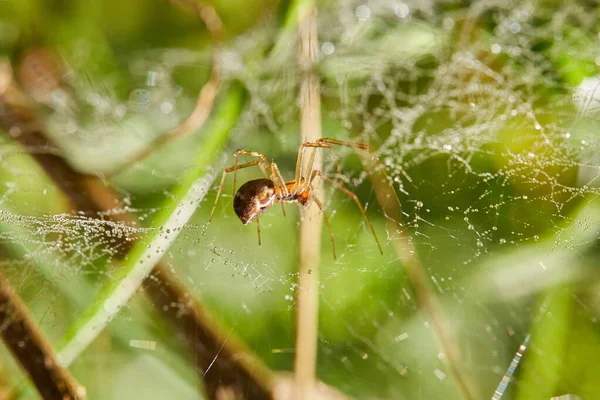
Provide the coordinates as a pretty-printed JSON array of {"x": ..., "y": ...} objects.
[{"x": 485, "y": 118}]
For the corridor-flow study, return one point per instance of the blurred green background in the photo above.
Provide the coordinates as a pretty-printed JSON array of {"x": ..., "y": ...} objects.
[{"x": 484, "y": 115}]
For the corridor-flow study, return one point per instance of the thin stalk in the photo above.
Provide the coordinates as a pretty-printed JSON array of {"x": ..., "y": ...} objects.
[
  {"x": 207, "y": 95},
  {"x": 29, "y": 346},
  {"x": 426, "y": 297},
  {"x": 312, "y": 222},
  {"x": 5, "y": 76},
  {"x": 294, "y": 14}
]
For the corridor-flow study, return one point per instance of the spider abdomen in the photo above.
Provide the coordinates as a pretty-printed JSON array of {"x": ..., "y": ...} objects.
[{"x": 254, "y": 198}]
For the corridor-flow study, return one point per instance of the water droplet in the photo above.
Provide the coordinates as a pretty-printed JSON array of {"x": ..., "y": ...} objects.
[
  {"x": 363, "y": 12},
  {"x": 448, "y": 23},
  {"x": 402, "y": 10},
  {"x": 139, "y": 99},
  {"x": 327, "y": 48},
  {"x": 120, "y": 111},
  {"x": 166, "y": 107},
  {"x": 515, "y": 27}
]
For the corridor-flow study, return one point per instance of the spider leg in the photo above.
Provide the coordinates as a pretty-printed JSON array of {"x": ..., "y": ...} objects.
[
  {"x": 263, "y": 163},
  {"x": 311, "y": 163},
  {"x": 362, "y": 146},
  {"x": 225, "y": 172},
  {"x": 345, "y": 143},
  {"x": 327, "y": 144},
  {"x": 348, "y": 193},
  {"x": 327, "y": 224},
  {"x": 298, "y": 177},
  {"x": 367, "y": 148},
  {"x": 275, "y": 174},
  {"x": 258, "y": 230}
]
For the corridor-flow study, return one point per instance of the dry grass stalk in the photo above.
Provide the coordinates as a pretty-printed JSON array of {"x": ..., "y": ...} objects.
[
  {"x": 312, "y": 222},
  {"x": 426, "y": 297}
]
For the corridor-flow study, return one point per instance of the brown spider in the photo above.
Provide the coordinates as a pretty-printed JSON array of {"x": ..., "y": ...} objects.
[{"x": 256, "y": 196}]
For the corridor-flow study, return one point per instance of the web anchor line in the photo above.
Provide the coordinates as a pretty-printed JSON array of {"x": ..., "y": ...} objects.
[{"x": 511, "y": 369}]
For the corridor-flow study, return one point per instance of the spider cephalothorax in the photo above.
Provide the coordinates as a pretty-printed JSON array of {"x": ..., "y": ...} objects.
[
  {"x": 257, "y": 196},
  {"x": 254, "y": 198}
]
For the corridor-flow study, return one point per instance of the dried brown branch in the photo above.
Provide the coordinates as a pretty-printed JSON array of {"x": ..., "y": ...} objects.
[
  {"x": 195, "y": 121},
  {"x": 426, "y": 297},
  {"x": 286, "y": 388},
  {"x": 5, "y": 76},
  {"x": 227, "y": 368},
  {"x": 6, "y": 391},
  {"x": 207, "y": 14},
  {"x": 29, "y": 346},
  {"x": 311, "y": 225},
  {"x": 208, "y": 93}
]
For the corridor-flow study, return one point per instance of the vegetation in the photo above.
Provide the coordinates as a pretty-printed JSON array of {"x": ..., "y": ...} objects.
[{"x": 117, "y": 118}]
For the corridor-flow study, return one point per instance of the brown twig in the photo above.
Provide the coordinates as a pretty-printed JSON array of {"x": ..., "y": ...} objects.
[
  {"x": 208, "y": 93},
  {"x": 426, "y": 297},
  {"x": 227, "y": 368},
  {"x": 5, "y": 76},
  {"x": 207, "y": 14},
  {"x": 311, "y": 225},
  {"x": 6, "y": 390},
  {"x": 29, "y": 346}
]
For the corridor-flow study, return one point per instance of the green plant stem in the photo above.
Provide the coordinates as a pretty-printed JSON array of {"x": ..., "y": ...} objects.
[{"x": 168, "y": 223}]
